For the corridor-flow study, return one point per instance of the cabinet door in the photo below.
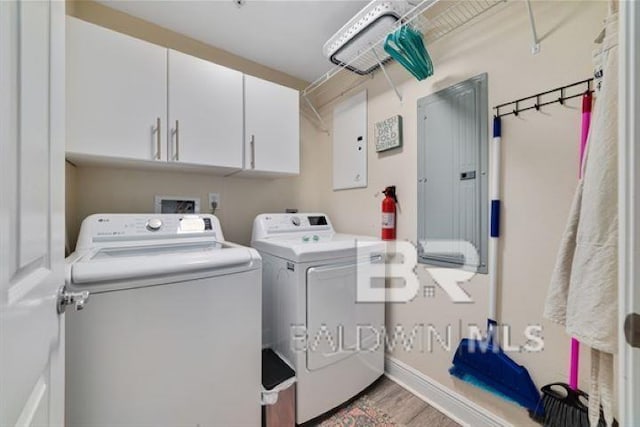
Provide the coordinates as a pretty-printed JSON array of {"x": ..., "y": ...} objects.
[
  {"x": 205, "y": 112},
  {"x": 272, "y": 127},
  {"x": 116, "y": 94}
]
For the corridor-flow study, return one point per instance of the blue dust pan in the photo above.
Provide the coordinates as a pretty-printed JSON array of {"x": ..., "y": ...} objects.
[{"x": 485, "y": 365}]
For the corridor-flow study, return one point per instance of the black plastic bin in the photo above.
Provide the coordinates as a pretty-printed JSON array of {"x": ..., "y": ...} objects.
[{"x": 278, "y": 380}]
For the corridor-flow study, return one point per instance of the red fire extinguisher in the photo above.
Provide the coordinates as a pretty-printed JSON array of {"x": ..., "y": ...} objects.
[{"x": 389, "y": 213}]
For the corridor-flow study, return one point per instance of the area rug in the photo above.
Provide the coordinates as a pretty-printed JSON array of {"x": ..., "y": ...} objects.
[{"x": 360, "y": 413}]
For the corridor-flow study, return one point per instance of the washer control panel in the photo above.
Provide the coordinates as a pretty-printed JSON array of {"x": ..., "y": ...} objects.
[{"x": 122, "y": 227}]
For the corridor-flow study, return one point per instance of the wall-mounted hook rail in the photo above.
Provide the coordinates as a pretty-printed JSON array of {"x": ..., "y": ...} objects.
[{"x": 516, "y": 109}]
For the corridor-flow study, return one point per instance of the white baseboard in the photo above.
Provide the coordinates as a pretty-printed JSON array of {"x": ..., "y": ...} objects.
[{"x": 455, "y": 406}]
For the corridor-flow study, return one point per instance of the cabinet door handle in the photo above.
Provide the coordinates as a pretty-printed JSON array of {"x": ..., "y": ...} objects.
[
  {"x": 158, "y": 148},
  {"x": 253, "y": 151},
  {"x": 176, "y": 132}
]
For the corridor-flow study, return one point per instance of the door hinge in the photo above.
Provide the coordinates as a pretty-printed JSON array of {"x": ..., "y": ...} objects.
[
  {"x": 632, "y": 329},
  {"x": 66, "y": 297}
]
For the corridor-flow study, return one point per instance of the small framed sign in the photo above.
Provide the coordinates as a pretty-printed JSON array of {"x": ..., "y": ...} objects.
[{"x": 388, "y": 133}]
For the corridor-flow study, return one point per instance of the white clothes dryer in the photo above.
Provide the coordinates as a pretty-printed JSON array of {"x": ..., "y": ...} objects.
[{"x": 311, "y": 313}]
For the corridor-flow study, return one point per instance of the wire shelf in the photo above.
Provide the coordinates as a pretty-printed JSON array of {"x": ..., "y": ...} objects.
[{"x": 433, "y": 18}]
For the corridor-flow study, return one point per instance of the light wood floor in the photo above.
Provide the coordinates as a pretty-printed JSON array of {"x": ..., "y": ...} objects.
[{"x": 404, "y": 407}]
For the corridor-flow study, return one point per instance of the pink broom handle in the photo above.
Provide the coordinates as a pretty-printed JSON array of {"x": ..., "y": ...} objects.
[
  {"x": 587, "y": 101},
  {"x": 575, "y": 362}
]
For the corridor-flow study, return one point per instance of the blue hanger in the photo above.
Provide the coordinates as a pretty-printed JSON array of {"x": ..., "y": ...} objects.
[
  {"x": 397, "y": 52},
  {"x": 405, "y": 45},
  {"x": 411, "y": 41}
]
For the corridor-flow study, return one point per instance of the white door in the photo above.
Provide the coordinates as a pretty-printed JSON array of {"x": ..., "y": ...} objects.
[
  {"x": 116, "y": 94},
  {"x": 629, "y": 209},
  {"x": 31, "y": 212},
  {"x": 272, "y": 127},
  {"x": 205, "y": 112}
]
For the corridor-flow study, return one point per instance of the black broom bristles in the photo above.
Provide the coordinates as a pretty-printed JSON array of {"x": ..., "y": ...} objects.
[{"x": 565, "y": 407}]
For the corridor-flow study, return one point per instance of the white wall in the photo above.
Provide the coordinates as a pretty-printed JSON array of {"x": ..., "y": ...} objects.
[{"x": 539, "y": 177}]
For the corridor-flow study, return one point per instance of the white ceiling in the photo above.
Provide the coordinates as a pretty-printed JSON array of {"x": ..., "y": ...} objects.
[{"x": 286, "y": 35}]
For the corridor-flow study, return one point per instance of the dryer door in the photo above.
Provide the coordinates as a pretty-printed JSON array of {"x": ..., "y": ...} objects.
[{"x": 338, "y": 326}]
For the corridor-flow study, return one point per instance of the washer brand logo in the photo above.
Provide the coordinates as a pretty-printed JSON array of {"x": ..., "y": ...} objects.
[{"x": 398, "y": 260}]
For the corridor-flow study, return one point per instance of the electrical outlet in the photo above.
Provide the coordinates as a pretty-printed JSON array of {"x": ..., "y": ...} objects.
[{"x": 214, "y": 201}]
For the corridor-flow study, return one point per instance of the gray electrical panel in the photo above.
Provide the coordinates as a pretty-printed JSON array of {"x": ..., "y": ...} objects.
[{"x": 452, "y": 174}]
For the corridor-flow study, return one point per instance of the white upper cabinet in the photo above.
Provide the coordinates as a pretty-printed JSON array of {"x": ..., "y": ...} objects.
[
  {"x": 116, "y": 94},
  {"x": 136, "y": 104},
  {"x": 205, "y": 112},
  {"x": 272, "y": 127}
]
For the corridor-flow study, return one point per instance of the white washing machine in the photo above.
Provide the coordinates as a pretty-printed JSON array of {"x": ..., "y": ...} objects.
[
  {"x": 311, "y": 315},
  {"x": 171, "y": 332}
]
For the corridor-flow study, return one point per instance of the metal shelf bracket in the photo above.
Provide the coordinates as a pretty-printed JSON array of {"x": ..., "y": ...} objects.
[
  {"x": 323, "y": 126},
  {"x": 535, "y": 44},
  {"x": 386, "y": 75}
]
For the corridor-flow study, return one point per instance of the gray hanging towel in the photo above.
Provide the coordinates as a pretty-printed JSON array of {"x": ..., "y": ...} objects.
[{"x": 583, "y": 295}]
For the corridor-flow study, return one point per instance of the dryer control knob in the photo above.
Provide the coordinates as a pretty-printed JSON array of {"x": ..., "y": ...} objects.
[
  {"x": 295, "y": 221},
  {"x": 154, "y": 224}
]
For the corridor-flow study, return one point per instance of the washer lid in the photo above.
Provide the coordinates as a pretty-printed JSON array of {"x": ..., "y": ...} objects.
[
  {"x": 305, "y": 247},
  {"x": 139, "y": 262}
]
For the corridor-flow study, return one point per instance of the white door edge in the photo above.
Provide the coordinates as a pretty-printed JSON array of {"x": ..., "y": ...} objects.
[{"x": 629, "y": 205}]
